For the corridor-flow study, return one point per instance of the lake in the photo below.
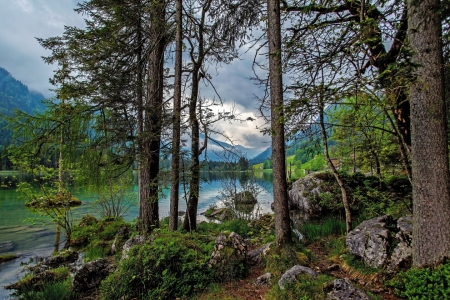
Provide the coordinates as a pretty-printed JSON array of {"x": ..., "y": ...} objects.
[{"x": 34, "y": 239}]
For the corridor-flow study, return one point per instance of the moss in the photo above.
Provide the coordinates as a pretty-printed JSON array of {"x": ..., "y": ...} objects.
[{"x": 5, "y": 258}]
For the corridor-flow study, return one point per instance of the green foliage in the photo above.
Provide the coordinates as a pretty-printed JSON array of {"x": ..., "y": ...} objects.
[
  {"x": 54, "y": 284},
  {"x": 96, "y": 237},
  {"x": 330, "y": 226},
  {"x": 60, "y": 290},
  {"x": 369, "y": 197},
  {"x": 316, "y": 164},
  {"x": 426, "y": 284},
  {"x": 356, "y": 263},
  {"x": 173, "y": 265},
  {"x": 303, "y": 288},
  {"x": 239, "y": 226},
  {"x": 95, "y": 251},
  {"x": 267, "y": 164}
]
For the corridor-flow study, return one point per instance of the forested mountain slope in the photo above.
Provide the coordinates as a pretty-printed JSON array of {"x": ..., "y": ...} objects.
[{"x": 15, "y": 94}]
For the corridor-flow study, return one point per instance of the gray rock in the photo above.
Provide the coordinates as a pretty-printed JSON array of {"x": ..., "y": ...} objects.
[
  {"x": 371, "y": 241},
  {"x": 245, "y": 197},
  {"x": 254, "y": 256},
  {"x": 402, "y": 253},
  {"x": 121, "y": 236},
  {"x": 91, "y": 275},
  {"x": 301, "y": 191},
  {"x": 263, "y": 280},
  {"x": 229, "y": 256},
  {"x": 291, "y": 274},
  {"x": 137, "y": 240},
  {"x": 341, "y": 289},
  {"x": 7, "y": 246}
]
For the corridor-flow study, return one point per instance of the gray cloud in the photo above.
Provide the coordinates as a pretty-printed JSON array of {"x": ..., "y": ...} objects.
[{"x": 21, "y": 21}]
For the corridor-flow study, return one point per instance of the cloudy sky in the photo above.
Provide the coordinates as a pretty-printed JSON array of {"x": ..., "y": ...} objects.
[{"x": 21, "y": 21}]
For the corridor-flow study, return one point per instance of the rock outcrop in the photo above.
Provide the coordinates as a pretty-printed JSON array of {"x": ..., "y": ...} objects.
[
  {"x": 402, "y": 253},
  {"x": 229, "y": 256},
  {"x": 137, "y": 240},
  {"x": 381, "y": 242},
  {"x": 371, "y": 241},
  {"x": 341, "y": 289},
  {"x": 263, "y": 280},
  {"x": 255, "y": 256},
  {"x": 63, "y": 258},
  {"x": 291, "y": 274},
  {"x": 91, "y": 275},
  {"x": 119, "y": 240}
]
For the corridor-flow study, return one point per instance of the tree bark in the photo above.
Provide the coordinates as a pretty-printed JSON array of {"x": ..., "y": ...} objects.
[
  {"x": 175, "y": 170},
  {"x": 151, "y": 136},
  {"x": 429, "y": 152},
  {"x": 282, "y": 220}
]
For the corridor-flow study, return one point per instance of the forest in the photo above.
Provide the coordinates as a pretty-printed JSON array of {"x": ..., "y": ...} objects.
[{"x": 355, "y": 88}]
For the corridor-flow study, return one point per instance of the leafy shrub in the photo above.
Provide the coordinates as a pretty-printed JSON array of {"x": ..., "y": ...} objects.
[
  {"x": 368, "y": 195},
  {"x": 239, "y": 226},
  {"x": 51, "y": 284},
  {"x": 174, "y": 265},
  {"x": 61, "y": 290},
  {"x": 423, "y": 283}
]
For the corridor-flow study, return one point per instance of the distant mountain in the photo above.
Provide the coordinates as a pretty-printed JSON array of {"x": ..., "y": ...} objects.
[
  {"x": 266, "y": 154},
  {"x": 14, "y": 94},
  {"x": 220, "y": 151}
]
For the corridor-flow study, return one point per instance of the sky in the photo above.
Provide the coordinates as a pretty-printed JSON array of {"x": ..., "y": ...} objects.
[{"x": 22, "y": 21}]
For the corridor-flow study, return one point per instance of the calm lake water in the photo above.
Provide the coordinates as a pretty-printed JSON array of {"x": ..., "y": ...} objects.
[{"x": 31, "y": 238}]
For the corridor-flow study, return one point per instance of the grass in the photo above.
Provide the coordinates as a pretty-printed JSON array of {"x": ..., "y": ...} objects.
[
  {"x": 331, "y": 226},
  {"x": 51, "y": 291}
]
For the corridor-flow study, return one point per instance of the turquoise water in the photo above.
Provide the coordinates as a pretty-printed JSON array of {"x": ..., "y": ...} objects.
[{"x": 33, "y": 238}]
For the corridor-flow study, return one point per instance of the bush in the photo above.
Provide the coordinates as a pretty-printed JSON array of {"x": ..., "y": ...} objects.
[
  {"x": 423, "y": 283},
  {"x": 174, "y": 265},
  {"x": 50, "y": 291}
]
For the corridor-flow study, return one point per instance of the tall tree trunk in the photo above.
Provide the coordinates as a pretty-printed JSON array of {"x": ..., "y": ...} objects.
[
  {"x": 190, "y": 221},
  {"x": 281, "y": 207},
  {"x": 430, "y": 169},
  {"x": 348, "y": 214},
  {"x": 175, "y": 170},
  {"x": 151, "y": 137}
]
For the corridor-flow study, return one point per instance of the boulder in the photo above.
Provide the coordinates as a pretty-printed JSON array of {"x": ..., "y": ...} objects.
[
  {"x": 291, "y": 274},
  {"x": 371, "y": 241},
  {"x": 229, "y": 256},
  {"x": 121, "y": 236},
  {"x": 223, "y": 213},
  {"x": 341, "y": 289},
  {"x": 301, "y": 193},
  {"x": 263, "y": 280},
  {"x": 245, "y": 197},
  {"x": 402, "y": 253},
  {"x": 62, "y": 258},
  {"x": 7, "y": 246},
  {"x": 91, "y": 275},
  {"x": 137, "y": 240},
  {"x": 254, "y": 256}
]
